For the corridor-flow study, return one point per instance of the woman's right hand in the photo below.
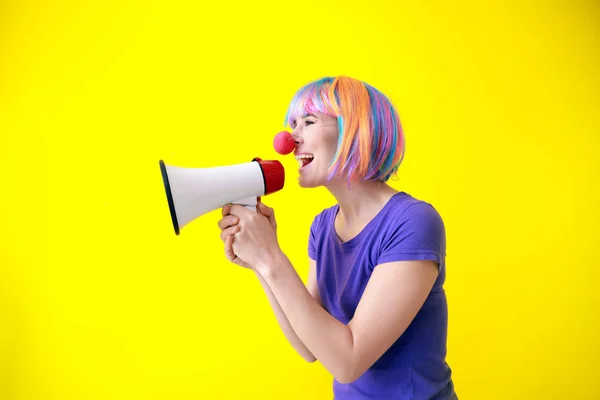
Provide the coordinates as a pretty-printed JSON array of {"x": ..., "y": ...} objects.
[{"x": 229, "y": 227}]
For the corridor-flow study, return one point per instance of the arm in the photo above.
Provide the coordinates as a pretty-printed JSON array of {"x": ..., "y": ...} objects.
[
  {"x": 282, "y": 320},
  {"x": 392, "y": 298},
  {"x": 229, "y": 227}
]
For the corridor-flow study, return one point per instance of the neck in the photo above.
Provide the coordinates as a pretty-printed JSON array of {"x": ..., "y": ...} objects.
[{"x": 362, "y": 200}]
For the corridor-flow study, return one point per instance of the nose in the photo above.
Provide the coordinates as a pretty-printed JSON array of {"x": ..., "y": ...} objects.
[{"x": 297, "y": 136}]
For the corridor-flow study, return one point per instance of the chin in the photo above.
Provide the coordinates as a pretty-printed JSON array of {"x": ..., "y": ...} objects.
[{"x": 307, "y": 183}]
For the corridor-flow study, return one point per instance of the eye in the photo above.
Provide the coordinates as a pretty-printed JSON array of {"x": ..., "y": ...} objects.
[{"x": 308, "y": 122}]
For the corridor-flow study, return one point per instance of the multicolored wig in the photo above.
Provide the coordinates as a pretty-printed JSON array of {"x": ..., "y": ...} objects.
[{"x": 371, "y": 140}]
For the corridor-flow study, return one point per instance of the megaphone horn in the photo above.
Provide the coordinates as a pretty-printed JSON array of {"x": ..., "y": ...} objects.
[{"x": 192, "y": 192}]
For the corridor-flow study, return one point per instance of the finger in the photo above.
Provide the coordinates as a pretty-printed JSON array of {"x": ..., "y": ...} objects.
[
  {"x": 229, "y": 232},
  {"x": 266, "y": 211},
  {"x": 238, "y": 210},
  {"x": 228, "y": 221},
  {"x": 269, "y": 213},
  {"x": 229, "y": 249},
  {"x": 225, "y": 210}
]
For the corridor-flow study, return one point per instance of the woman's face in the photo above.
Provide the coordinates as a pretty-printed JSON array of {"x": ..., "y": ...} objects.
[{"x": 316, "y": 137}]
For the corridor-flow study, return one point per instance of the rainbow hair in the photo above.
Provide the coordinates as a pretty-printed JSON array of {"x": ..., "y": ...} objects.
[{"x": 371, "y": 140}]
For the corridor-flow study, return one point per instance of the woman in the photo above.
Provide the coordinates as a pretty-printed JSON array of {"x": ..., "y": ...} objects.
[{"x": 374, "y": 310}]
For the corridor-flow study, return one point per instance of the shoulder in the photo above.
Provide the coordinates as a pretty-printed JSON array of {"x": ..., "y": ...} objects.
[
  {"x": 321, "y": 220},
  {"x": 320, "y": 228},
  {"x": 413, "y": 224},
  {"x": 408, "y": 211}
]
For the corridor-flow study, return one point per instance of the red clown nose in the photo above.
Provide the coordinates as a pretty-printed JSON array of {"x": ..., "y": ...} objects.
[{"x": 284, "y": 143}]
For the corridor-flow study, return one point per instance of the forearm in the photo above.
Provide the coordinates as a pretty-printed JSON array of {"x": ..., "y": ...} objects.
[
  {"x": 284, "y": 324},
  {"x": 328, "y": 339}
]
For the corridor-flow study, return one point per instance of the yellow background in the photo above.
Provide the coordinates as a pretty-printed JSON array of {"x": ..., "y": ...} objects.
[{"x": 100, "y": 300}]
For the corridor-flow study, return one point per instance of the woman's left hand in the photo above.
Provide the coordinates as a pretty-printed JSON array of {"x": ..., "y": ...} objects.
[{"x": 256, "y": 239}]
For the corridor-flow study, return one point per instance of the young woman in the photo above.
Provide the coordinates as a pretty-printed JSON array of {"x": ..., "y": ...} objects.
[{"x": 374, "y": 309}]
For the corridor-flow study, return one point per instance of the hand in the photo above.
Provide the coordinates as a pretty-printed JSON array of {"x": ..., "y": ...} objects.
[
  {"x": 267, "y": 212},
  {"x": 230, "y": 226}
]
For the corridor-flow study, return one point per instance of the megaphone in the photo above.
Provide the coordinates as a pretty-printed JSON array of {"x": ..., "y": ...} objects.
[{"x": 192, "y": 192}]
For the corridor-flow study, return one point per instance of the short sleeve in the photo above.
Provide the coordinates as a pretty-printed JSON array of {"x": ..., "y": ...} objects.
[{"x": 418, "y": 233}]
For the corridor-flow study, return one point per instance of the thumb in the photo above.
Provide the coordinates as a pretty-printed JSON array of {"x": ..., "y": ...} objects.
[{"x": 264, "y": 210}]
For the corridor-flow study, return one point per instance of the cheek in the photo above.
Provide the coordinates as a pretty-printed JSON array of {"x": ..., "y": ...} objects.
[
  {"x": 331, "y": 142},
  {"x": 328, "y": 142},
  {"x": 329, "y": 152}
]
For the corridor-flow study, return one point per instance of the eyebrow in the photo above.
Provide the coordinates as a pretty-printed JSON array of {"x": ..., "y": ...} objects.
[{"x": 303, "y": 117}]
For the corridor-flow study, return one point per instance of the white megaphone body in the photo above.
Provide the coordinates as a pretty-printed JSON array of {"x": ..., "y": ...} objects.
[{"x": 192, "y": 192}]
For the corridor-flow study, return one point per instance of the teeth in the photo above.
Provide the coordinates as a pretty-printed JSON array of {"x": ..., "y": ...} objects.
[{"x": 302, "y": 157}]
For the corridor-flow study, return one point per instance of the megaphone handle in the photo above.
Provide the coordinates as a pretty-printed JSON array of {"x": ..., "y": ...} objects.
[{"x": 248, "y": 202}]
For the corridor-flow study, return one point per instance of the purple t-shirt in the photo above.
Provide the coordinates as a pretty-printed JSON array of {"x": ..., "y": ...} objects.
[{"x": 405, "y": 229}]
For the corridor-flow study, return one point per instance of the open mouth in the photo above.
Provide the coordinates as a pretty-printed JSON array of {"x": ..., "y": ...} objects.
[{"x": 304, "y": 159}]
